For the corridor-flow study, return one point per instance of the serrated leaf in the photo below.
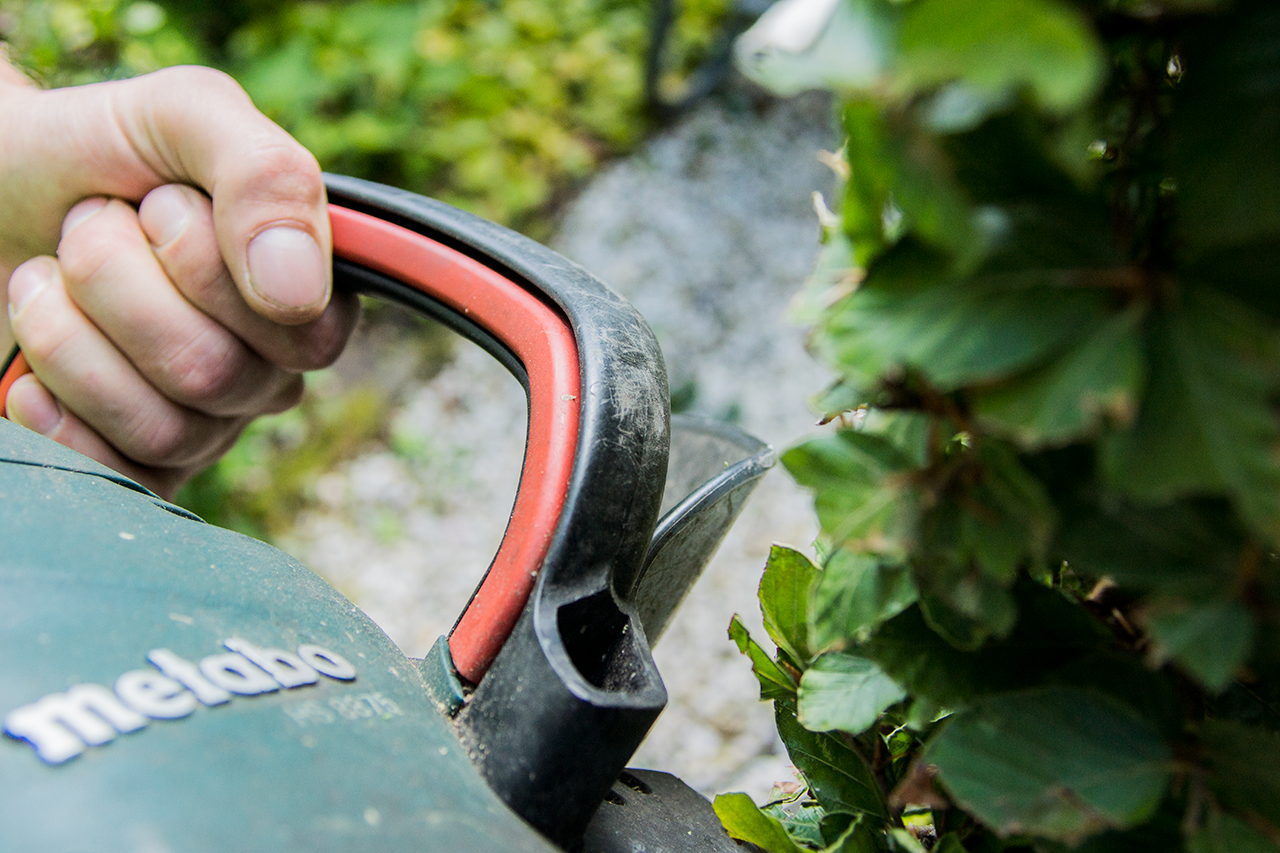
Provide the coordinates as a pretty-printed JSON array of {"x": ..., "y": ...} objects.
[
  {"x": 856, "y": 493},
  {"x": 846, "y": 693},
  {"x": 839, "y": 44},
  {"x": 836, "y": 273},
  {"x": 1097, "y": 380},
  {"x": 1051, "y": 632},
  {"x": 997, "y": 46},
  {"x": 1056, "y": 762},
  {"x": 836, "y": 775},
  {"x": 840, "y": 398},
  {"x": 855, "y": 593},
  {"x": 784, "y": 600},
  {"x": 1006, "y": 518},
  {"x": 743, "y": 819},
  {"x": 1208, "y": 639},
  {"x": 1206, "y": 425},
  {"x": 910, "y": 432},
  {"x": 926, "y": 665},
  {"x": 803, "y": 824},
  {"x": 871, "y": 160},
  {"x": 1245, "y": 769},
  {"x": 775, "y": 682},
  {"x": 1225, "y": 833},
  {"x": 910, "y": 314},
  {"x": 933, "y": 207},
  {"x": 967, "y": 609}
]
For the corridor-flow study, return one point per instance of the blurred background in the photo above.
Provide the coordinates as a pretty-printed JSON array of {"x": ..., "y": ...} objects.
[{"x": 614, "y": 131}]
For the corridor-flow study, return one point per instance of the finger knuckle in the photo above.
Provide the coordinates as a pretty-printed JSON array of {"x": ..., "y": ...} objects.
[
  {"x": 43, "y": 337},
  {"x": 320, "y": 343},
  {"x": 89, "y": 250},
  {"x": 164, "y": 439},
  {"x": 198, "y": 80},
  {"x": 207, "y": 370},
  {"x": 284, "y": 171}
]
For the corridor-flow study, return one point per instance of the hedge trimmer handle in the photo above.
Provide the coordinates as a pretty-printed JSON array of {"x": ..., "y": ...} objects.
[
  {"x": 561, "y": 685},
  {"x": 375, "y": 256}
]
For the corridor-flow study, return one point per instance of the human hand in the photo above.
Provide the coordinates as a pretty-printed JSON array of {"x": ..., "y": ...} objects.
[{"x": 155, "y": 335}]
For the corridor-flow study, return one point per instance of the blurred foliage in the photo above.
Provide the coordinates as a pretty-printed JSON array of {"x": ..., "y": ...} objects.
[
  {"x": 269, "y": 475},
  {"x": 493, "y": 107},
  {"x": 498, "y": 108},
  {"x": 1046, "y": 605}
]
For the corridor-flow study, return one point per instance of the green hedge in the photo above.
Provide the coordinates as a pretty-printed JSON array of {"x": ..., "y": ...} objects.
[{"x": 1045, "y": 607}]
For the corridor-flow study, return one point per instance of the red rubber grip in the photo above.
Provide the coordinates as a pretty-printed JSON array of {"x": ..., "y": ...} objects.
[
  {"x": 18, "y": 367},
  {"x": 542, "y": 339}
]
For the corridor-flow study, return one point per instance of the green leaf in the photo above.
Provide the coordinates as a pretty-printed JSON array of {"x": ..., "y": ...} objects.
[
  {"x": 744, "y": 820},
  {"x": 836, "y": 274},
  {"x": 910, "y": 314},
  {"x": 845, "y": 692},
  {"x": 933, "y": 207},
  {"x": 837, "y": 776},
  {"x": 1226, "y": 131},
  {"x": 1051, "y": 632},
  {"x": 1225, "y": 833},
  {"x": 967, "y": 608},
  {"x": 996, "y": 46},
  {"x": 910, "y": 652},
  {"x": 1245, "y": 769},
  {"x": 858, "y": 837},
  {"x": 905, "y": 842},
  {"x": 949, "y": 843},
  {"x": 855, "y": 593},
  {"x": 1206, "y": 423},
  {"x": 858, "y": 498},
  {"x": 913, "y": 433},
  {"x": 1098, "y": 380},
  {"x": 775, "y": 682},
  {"x": 1057, "y": 762},
  {"x": 1125, "y": 677},
  {"x": 872, "y": 163},
  {"x": 998, "y": 522},
  {"x": 793, "y": 47},
  {"x": 1209, "y": 639},
  {"x": 1188, "y": 548},
  {"x": 784, "y": 600},
  {"x": 802, "y": 823}
]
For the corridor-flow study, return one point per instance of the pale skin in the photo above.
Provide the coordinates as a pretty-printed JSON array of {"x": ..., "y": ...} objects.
[{"x": 166, "y": 249}]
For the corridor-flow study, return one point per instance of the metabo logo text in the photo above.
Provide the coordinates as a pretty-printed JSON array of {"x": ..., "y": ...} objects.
[{"x": 61, "y": 725}]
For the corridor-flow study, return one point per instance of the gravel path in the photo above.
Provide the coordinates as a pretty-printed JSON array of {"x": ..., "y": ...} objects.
[{"x": 709, "y": 230}]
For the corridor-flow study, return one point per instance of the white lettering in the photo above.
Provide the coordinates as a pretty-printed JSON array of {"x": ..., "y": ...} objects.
[
  {"x": 233, "y": 672},
  {"x": 60, "y": 724},
  {"x": 188, "y": 675},
  {"x": 326, "y": 662},
  {"x": 157, "y": 696},
  {"x": 285, "y": 667}
]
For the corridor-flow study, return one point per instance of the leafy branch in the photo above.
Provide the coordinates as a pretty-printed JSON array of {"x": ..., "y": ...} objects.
[{"x": 1047, "y": 581}]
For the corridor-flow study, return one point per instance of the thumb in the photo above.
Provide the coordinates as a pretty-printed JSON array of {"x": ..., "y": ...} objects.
[{"x": 180, "y": 125}]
